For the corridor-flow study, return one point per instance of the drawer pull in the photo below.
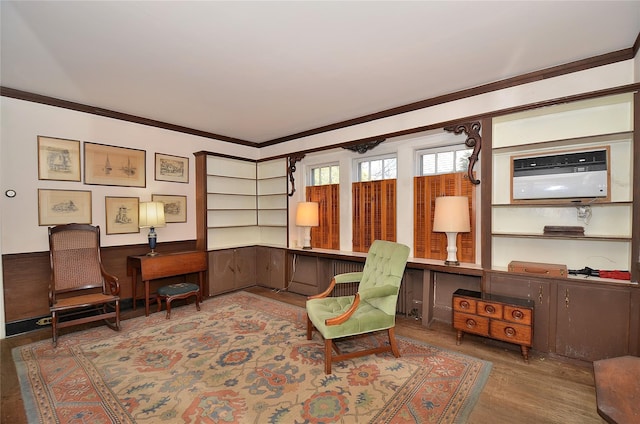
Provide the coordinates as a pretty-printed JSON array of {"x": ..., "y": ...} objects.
[
  {"x": 471, "y": 323},
  {"x": 517, "y": 314},
  {"x": 490, "y": 309},
  {"x": 464, "y": 304},
  {"x": 509, "y": 331}
]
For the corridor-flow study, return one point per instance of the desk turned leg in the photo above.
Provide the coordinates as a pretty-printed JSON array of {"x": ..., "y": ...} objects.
[
  {"x": 459, "y": 337},
  {"x": 525, "y": 353},
  {"x": 134, "y": 281},
  {"x": 146, "y": 298}
]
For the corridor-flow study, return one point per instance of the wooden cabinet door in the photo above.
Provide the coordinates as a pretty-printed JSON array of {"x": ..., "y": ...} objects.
[
  {"x": 537, "y": 289},
  {"x": 270, "y": 267},
  {"x": 304, "y": 278},
  {"x": 593, "y": 321},
  {"x": 245, "y": 267},
  {"x": 221, "y": 271}
]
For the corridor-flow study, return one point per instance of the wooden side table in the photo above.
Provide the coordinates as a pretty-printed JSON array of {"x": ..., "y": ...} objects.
[
  {"x": 618, "y": 389},
  {"x": 164, "y": 265},
  {"x": 499, "y": 317}
]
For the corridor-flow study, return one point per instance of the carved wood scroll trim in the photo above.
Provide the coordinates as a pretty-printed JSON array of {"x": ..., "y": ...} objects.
[
  {"x": 291, "y": 168},
  {"x": 364, "y": 147},
  {"x": 474, "y": 139}
]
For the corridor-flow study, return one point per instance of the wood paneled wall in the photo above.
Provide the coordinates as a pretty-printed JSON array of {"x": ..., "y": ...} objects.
[{"x": 26, "y": 276}]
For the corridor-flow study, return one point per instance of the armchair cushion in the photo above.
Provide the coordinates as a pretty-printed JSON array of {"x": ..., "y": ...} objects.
[{"x": 365, "y": 319}]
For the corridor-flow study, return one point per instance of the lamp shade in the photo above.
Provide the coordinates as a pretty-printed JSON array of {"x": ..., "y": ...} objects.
[
  {"x": 452, "y": 214},
  {"x": 151, "y": 215},
  {"x": 307, "y": 214}
]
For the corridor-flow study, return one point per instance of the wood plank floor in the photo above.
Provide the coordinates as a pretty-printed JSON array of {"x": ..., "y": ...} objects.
[{"x": 547, "y": 390}]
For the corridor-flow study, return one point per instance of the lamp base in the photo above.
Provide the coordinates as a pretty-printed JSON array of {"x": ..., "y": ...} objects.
[
  {"x": 452, "y": 249},
  {"x": 152, "y": 253}
]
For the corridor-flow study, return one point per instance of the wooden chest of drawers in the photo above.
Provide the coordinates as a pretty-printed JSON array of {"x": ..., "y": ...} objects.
[{"x": 498, "y": 317}]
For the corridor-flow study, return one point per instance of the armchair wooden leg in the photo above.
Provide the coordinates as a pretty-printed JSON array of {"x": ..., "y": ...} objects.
[
  {"x": 309, "y": 328},
  {"x": 392, "y": 342},
  {"x": 328, "y": 346}
]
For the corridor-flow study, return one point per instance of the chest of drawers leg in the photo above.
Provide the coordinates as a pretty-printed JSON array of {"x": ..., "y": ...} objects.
[{"x": 498, "y": 317}]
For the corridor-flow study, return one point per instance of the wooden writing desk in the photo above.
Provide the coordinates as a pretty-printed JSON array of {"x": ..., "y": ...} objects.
[{"x": 164, "y": 265}]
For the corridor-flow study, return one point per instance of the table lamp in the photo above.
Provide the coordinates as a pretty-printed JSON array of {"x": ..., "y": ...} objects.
[
  {"x": 451, "y": 216},
  {"x": 307, "y": 217},
  {"x": 151, "y": 216}
]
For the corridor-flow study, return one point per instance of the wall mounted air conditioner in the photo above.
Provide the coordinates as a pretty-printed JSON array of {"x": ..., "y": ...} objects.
[{"x": 566, "y": 175}]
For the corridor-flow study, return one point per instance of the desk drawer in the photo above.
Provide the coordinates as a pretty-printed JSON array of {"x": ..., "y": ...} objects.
[
  {"x": 490, "y": 309},
  {"x": 471, "y": 323},
  {"x": 509, "y": 332},
  {"x": 517, "y": 315},
  {"x": 464, "y": 304}
]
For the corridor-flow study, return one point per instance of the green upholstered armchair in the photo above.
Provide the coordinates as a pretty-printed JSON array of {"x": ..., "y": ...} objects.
[{"x": 373, "y": 308}]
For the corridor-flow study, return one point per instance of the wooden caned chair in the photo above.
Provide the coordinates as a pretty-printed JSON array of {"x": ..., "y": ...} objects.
[
  {"x": 80, "y": 290},
  {"x": 373, "y": 308}
]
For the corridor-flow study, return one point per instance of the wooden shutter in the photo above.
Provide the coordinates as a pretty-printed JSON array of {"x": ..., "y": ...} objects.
[
  {"x": 327, "y": 234},
  {"x": 374, "y": 213},
  {"x": 426, "y": 243}
]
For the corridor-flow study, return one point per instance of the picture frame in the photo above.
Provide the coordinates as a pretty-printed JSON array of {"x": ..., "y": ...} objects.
[
  {"x": 58, "y": 159},
  {"x": 114, "y": 166},
  {"x": 171, "y": 168},
  {"x": 122, "y": 214},
  {"x": 57, "y": 207},
  {"x": 175, "y": 207}
]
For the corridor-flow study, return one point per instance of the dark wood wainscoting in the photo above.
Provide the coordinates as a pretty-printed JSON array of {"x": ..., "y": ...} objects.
[{"x": 26, "y": 280}]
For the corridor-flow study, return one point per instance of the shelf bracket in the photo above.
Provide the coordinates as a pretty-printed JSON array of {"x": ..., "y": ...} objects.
[
  {"x": 474, "y": 139},
  {"x": 291, "y": 168}
]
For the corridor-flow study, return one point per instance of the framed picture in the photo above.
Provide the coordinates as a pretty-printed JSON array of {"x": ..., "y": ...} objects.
[
  {"x": 172, "y": 168},
  {"x": 175, "y": 207},
  {"x": 114, "y": 166},
  {"x": 121, "y": 214},
  {"x": 58, "y": 159},
  {"x": 64, "y": 207}
]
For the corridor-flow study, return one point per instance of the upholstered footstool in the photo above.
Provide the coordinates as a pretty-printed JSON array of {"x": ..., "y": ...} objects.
[{"x": 177, "y": 291}]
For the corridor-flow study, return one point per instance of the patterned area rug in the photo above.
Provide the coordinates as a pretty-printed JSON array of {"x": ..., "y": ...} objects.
[{"x": 242, "y": 359}]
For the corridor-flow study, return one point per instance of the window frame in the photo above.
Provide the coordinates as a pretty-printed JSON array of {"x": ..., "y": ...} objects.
[
  {"x": 311, "y": 168},
  {"x": 357, "y": 177},
  {"x": 419, "y": 158}
]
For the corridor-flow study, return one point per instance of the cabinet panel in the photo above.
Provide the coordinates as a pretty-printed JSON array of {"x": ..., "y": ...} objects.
[
  {"x": 245, "y": 267},
  {"x": 593, "y": 321},
  {"x": 304, "y": 278},
  {"x": 221, "y": 271},
  {"x": 231, "y": 269},
  {"x": 536, "y": 289},
  {"x": 270, "y": 265}
]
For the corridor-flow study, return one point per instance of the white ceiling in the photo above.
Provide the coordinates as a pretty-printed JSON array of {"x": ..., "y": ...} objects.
[{"x": 258, "y": 71}]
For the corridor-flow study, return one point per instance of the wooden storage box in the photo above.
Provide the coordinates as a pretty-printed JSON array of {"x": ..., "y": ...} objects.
[{"x": 537, "y": 268}]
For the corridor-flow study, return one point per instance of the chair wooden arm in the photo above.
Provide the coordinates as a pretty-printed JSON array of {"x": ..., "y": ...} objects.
[
  {"x": 346, "y": 315},
  {"x": 325, "y": 293},
  {"x": 112, "y": 280}
]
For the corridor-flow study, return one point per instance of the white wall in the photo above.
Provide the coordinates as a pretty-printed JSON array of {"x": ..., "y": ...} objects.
[{"x": 23, "y": 121}]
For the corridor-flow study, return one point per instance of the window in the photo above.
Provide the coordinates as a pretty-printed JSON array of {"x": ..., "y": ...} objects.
[
  {"x": 324, "y": 188},
  {"x": 376, "y": 169},
  {"x": 323, "y": 175},
  {"x": 442, "y": 172},
  {"x": 374, "y": 201},
  {"x": 444, "y": 160}
]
